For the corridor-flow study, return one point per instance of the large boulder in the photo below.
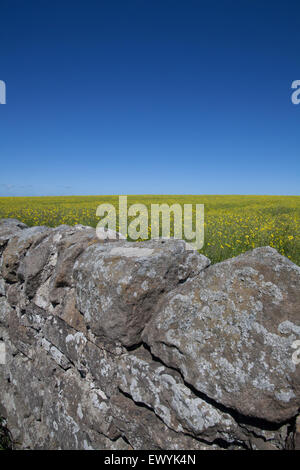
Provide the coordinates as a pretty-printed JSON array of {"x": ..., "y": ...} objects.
[
  {"x": 230, "y": 330},
  {"x": 118, "y": 285}
]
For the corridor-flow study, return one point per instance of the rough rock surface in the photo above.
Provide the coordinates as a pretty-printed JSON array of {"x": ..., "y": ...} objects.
[
  {"x": 117, "y": 345},
  {"x": 230, "y": 333},
  {"x": 117, "y": 292}
]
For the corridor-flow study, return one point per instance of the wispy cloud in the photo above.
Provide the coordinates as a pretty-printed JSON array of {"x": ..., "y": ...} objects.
[{"x": 11, "y": 189}]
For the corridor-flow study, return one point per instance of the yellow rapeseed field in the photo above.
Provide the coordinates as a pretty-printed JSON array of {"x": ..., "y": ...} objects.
[{"x": 233, "y": 224}]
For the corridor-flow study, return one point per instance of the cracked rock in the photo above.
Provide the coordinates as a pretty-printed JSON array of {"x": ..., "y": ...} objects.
[
  {"x": 230, "y": 331},
  {"x": 118, "y": 285},
  {"x": 118, "y": 345}
]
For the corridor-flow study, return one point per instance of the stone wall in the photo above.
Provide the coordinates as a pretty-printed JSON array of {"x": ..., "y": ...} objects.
[{"x": 117, "y": 345}]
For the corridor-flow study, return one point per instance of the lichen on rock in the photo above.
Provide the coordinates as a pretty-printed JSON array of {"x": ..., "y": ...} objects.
[{"x": 118, "y": 345}]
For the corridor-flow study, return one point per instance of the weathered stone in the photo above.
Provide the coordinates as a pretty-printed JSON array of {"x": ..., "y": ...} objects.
[
  {"x": 102, "y": 365},
  {"x": 230, "y": 330},
  {"x": 256, "y": 438},
  {"x": 81, "y": 408},
  {"x": 48, "y": 263},
  {"x": 161, "y": 389},
  {"x": 220, "y": 373},
  {"x": 67, "y": 310},
  {"x": 2, "y": 287},
  {"x": 23, "y": 338},
  {"x": 149, "y": 383},
  {"x": 17, "y": 248},
  {"x": 68, "y": 250},
  {"x": 5, "y": 310},
  {"x": 297, "y": 434},
  {"x": 118, "y": 285},
  {"x": 145, "y": 431},
  {"x": 8, "y": 228}
]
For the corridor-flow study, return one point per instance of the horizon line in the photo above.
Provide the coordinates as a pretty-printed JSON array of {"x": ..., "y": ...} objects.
[{"x": 152, "y": 194}]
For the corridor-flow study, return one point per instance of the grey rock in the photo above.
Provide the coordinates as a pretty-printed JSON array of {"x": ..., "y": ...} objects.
[
  {"x": 230, "y": 330},
  {"x": 5, "y": 310},
  {"x": 53, "y": 255},
  {"x": 297, "y": 434},
  {"x": 118, "y": 285},
  {"x": 144, "y": 345},
  {"x": 17, "y": 249},
  {"x": 8, "y": 228},
  {"x": 163, "y": 390},
  {"x": 145, "y": 431},
  {"x": 149, "y": 383},
  {"x": 2, "y": 287}
]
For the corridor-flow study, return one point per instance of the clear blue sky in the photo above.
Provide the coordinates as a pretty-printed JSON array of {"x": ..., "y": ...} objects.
[{"x": 149, "y": 97}]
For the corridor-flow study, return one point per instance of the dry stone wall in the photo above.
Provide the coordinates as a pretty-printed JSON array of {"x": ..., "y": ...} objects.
[{"x": 117, "y": 345}]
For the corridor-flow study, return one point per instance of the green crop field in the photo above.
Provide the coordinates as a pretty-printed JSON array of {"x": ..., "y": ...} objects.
[{"x": 233, "y": 224}]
